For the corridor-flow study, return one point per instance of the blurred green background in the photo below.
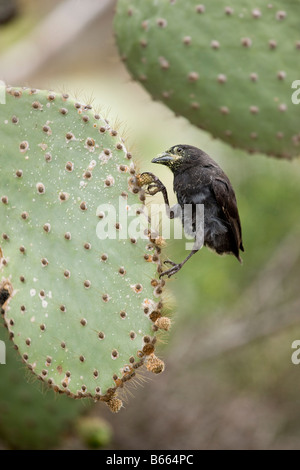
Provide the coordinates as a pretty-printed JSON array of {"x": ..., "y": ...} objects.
[{"x": 229, "y": 380}]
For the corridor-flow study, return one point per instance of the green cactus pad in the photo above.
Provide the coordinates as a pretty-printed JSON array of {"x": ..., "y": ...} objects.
[
  {"x": 82, "y": 308},
  {"x": 227, "y": 69},
  {"x": 31, "y": 417}
]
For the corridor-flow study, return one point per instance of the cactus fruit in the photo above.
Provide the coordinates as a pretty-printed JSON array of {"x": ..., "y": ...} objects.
[
  {"x": 95, "y": 432},
  {"x": 227, "y": 69},
  {"x": 82, "y": 308}
]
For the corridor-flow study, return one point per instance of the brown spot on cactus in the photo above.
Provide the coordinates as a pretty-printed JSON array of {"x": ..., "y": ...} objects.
[
  {"x": 17, "y": 93},
  {"x": 187, "y": 40},
  {"x": 63, "y": 196},
  {"x": 253, "y": 77},
  {"x": 114, "y": 354},
  {"x": 162, "y": 23},
  {"x": 229, "y": 11},
  {"x": 282, "y": 107},
  {"x": 256, "y": 13},
  {"x": 193, "y": 76},
  {"x": 70, "y": 136},
  {"x": 224, "y": 110},
  {"x": 222, "y": 78},
  {"x": 200, "y": 8},
  {"x": 87, "y": 175},
  {"x": 90, "y": 142},
  {"x": 40, "y": 188},
  {"x": 281, "y": 75},
  {"x": 37, "y": 105},
  {"x": 246, "y": 42},
  {"x": 215, "y": 44},
  {"x": 69, "y": 166},
  {"x": 47, "y": 129},
  {"x": 280, "y": 15},
  {"x": 24, "y": 146}
]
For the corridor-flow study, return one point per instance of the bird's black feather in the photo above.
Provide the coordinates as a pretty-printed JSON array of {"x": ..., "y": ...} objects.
[{"x": 198, "y": 179}]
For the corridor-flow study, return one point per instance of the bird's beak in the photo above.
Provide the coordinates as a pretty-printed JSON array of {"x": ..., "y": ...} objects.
[{"x": 164, "y": 158}]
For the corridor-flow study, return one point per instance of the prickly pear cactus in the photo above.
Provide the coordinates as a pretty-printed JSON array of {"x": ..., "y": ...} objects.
[
  {"x": 227, "y": 68},
  {"x": 84, "y": 300}
]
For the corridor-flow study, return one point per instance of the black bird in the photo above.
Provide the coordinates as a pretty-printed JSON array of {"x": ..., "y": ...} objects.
[{"x": 198, "y": 179}]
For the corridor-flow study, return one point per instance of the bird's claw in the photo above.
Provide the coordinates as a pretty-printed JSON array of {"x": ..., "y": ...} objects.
[
  {"x": 156, "y": 189},
  {"x": 168, "y": 261},
  {"x": 154, "y": 185},
  {"x": 170, "y": 272}
]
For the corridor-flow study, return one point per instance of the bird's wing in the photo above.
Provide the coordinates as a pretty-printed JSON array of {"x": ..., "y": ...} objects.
[{"x": 225, "y": 197}]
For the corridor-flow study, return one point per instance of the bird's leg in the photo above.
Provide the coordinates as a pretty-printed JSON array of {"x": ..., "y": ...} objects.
[
  {"x": 154, "y": 186},
  {"x": 176, "y": 267}
]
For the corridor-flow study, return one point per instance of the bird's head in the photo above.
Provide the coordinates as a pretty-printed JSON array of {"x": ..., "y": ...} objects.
[{"x": 179, "y": 157}]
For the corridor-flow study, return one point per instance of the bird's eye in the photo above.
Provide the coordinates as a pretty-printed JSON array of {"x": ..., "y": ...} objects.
[{"x": 179, "y": 150}]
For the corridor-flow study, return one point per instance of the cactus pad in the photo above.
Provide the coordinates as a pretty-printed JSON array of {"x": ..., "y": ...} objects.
[
  {"x": 82, "y": 307},
  {"x": 31, "y": 418},
  {"x": 227, "y": 69}
]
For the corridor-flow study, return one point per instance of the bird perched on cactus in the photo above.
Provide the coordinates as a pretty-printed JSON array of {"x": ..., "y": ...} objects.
[{"x": 198, "y": 179}]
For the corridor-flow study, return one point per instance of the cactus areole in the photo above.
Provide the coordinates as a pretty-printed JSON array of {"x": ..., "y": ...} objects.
[
  {"x": 230, "y": 69},
  {"x": 82, "y": 308}
]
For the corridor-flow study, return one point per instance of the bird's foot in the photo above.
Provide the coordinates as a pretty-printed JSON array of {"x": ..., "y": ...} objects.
[
  {"x": 170, "y": 272},
  {"x": 154, "y": 185}
]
